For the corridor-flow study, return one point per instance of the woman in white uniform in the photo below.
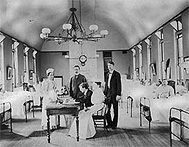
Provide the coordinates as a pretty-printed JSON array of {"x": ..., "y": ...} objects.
[{"x": 49, "y": 96}]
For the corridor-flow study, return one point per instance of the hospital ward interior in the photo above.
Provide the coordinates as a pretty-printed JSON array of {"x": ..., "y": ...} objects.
[{"x": 108, "y": 73}]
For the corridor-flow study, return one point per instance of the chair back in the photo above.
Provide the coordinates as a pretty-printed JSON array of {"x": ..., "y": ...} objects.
[
  {"x": 99, "y": 117},
  {"x": 101, "y": 112}
]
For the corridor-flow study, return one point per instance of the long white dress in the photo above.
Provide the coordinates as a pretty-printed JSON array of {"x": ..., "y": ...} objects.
[
  {"x": 49, "y": 96},
  {"x": 86, "y": 124}
]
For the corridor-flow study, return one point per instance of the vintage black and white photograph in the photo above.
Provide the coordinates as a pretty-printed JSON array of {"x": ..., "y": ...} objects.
[{"x": 94, "y": 73}]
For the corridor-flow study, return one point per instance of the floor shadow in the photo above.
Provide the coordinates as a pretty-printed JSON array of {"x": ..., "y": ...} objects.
[
  {"x": 106, "y": 133},
  {"x": 7, "y": 135},
  {"x": 22, "y": 120},
  {"x": 40, "y": 133}
]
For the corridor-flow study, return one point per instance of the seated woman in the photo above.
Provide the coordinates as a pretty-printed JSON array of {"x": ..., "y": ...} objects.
[{"x": 93, "y": 101}]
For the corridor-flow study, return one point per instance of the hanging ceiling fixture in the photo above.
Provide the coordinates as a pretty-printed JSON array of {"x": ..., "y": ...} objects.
[{"x": 74, "y": 30}]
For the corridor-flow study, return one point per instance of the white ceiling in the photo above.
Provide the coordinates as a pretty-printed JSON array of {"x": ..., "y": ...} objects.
[{"x": 134, "y": 19}]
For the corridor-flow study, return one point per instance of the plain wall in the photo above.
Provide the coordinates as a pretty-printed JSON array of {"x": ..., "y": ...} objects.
[
  {"x": 169, "y": 48},
  {"x": 58, "y": 62},
  {"x": 7, "y": 61}
]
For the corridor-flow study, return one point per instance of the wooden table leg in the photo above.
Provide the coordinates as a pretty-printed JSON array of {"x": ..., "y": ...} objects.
[
  {"x": 48, "y": 128},
  {"x": 77, "y": 126}
]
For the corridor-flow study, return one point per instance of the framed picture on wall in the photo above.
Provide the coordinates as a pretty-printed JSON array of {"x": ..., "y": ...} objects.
[
  {"x": 9, "y": 73},
  {"x": 58, "y": 81}
]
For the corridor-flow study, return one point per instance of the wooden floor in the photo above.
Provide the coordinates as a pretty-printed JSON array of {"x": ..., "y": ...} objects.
[{"x": 128, "y": 134}]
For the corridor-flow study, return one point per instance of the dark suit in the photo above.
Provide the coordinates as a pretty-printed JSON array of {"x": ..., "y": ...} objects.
[
  {"x": 111, "y": 93},
  {"x": 85, "y": 99},
  {"x": 75, "y": 81}
]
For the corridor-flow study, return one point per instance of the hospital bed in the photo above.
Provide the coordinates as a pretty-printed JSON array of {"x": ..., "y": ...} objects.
[{"x": 6, "y": 114}]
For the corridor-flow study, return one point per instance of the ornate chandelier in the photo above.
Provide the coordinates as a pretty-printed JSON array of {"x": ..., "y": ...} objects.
[{"x": 74, "y": 30}]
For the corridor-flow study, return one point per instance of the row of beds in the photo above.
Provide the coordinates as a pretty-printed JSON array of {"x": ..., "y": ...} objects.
[
  {"x": 7, "y": 108},
  {"x": 145, "y": 109},
  {"x": 177, "y": 116}
]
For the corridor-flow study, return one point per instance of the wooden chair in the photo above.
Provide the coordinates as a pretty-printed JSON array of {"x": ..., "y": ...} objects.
[
  {"x": 99, "y": 118},
  {"x": 40, "y": 105}
]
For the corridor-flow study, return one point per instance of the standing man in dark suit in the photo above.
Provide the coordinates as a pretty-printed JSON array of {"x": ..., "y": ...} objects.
[
  {"x": 75, "y": 81},
  {"x": 113, "y": 94}
]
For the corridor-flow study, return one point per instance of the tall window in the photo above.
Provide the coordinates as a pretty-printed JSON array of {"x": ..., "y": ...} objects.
[
  {"x": 177, "y": 26},
  {"x": 34, "y": 66},
  {"x": 149, "y": 46},
  {"x": 1, "y": 65},
  {"x": 15, "y": 63},
  {"x": 1, "y": 62},
  {"x": 161, "y": 56},
  {"x": 26, "y": 66},
  {"x": 134, "y": 63}
]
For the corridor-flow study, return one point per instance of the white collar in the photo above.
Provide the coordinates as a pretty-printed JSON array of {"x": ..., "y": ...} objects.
[{"x": 85, "y": 92}]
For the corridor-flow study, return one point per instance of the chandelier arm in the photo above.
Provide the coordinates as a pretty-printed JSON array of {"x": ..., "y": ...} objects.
[
  {"x": 90, "y": 33},
  {"x": 69, "y": 34},
  {"x": 89, "y": 39},
  {"x": 69, "y": 18},
  {"x": 95, "y": 37},
  {"x": 82, "y": 29},
  {"x": 58, "y": 38}
]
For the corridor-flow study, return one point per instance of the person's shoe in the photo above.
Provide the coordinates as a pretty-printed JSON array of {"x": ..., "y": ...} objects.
[
  {"x": 108, "y": 126},
  {"x": 114, "y": 127}
]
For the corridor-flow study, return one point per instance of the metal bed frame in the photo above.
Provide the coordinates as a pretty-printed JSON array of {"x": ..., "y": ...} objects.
[
  {"x": 145, "y": 110},
  {"x": 4, "y": 112},
  {"x": 130, "y": 99},
  {"x": 179, "y": 121},
  {"x": 28, "y": 105}
]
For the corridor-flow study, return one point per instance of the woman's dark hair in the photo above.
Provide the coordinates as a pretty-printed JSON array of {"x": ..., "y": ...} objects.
[
  {"x": 84, "y": 85},
  {"x": 111, "y": 62},
  {"x": 49, "y": 73},
  {"x": 41, "y": 80}
]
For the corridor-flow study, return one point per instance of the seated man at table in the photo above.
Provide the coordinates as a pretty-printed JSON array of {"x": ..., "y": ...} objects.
[{"x": 164, "y": 91}]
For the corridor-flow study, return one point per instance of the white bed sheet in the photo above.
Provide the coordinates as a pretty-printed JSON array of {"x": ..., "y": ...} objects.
[
  {"x": 36, "y": 97},
  {"x": 160, "y": 108},
  {"x": 17, "y": 100}
]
